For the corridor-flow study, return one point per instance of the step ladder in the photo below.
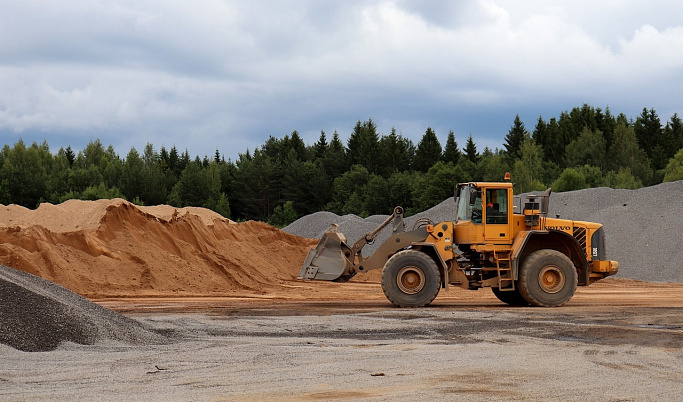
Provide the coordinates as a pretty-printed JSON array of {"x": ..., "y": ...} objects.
[{"x": 506, "y": 283}]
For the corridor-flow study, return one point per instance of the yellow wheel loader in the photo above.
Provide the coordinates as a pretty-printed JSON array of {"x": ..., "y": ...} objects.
[{"x": 526, "y": 258}]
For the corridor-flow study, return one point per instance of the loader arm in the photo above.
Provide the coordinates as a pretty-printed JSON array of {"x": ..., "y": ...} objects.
[{"x": 334, "y": 260}]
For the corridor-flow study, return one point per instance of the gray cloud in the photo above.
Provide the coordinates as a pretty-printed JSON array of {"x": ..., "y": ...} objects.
[{"x": 226, "y": 74}]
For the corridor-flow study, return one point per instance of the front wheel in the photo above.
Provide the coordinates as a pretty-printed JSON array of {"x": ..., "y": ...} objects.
[
  {"x": 547, "y": 278},
  {"x": 411, "y": 278}
]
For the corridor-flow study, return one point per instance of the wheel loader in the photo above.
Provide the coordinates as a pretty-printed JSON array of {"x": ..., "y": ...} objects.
[{"x": 525, "y": 257}]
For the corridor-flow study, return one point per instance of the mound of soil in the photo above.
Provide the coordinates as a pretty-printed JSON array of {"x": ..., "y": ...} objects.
[{"x": 112, "y": 248}]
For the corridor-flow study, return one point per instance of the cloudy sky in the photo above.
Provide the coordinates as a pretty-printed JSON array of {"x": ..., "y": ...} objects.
[{"x": 224, "y": 74}]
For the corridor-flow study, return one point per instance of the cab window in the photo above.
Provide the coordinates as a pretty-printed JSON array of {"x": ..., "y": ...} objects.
[
  {"x": 496, "y": 206},
  {"x": 469, "y": 205}
]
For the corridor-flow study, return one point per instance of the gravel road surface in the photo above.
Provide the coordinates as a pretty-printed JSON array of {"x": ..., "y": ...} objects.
[{"x": 612, "y": 342}]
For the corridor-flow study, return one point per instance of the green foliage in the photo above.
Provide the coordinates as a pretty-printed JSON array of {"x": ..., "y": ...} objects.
[
  {"x": 396, "y": 153},
  {"x": 363, "y": 146},
  {"x": 624, "y": 154},
  {"x": 284, "y": 178},
  {"x": 471, "y": 151},
  {"x": 623, "y": 179},
  {"x": 93, "y": 193},
  {"x": 428, "y": 151},
  {"x": 588, "y": 149},
  {"x": 23, "y": 175},
  {"x": 526, "y": 172},
  {"x": 492, "y": 167},
  {"x": 593, "y": 175},
  {"x": 283, "y": 215},
  {"x": 674, "y": 169},
  {"x": 515, "y": 138},
  {"x": 193, "y": 187},
  {"x": 437, "y": 185},
  {"x": 570, "y": 179},
  {"x": 451, "y": 153},
  {"x": 347, "y": 191}
]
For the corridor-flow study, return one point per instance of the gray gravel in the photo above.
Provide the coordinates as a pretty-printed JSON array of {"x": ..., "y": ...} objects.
[
  {"x": 39, "y": 315},
  {"x": 454, "y": 354},
  {"x": 643, "y": 226},
  {"x": 354, "y": 227}
]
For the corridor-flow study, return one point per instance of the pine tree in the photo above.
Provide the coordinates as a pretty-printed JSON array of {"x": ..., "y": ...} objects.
[
  {"x": 675, "y": 126},
  {"x": 133, "y": 182},
  {"x": 363, "y": 146},
  {"x": 451, "y": 152},
  {"x": 335, "y": 161},
  {"x": 428, "y": 151},
  {"x": 471, "y": 151},
  {"x": 648, "y": 129},
  {"x": 70, "y": 155},
  {"x": 394, "y": 154},
  {"x": 321, "y": 146},
  {"x": 515, "y": 138},
  {"x": 174, "y": 162},
  {"x": 540, "y": 134},
  {"x": 297, "y": 144}
]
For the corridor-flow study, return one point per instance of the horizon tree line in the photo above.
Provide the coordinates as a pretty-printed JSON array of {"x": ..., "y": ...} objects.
[{"x": 369, "y": 174}]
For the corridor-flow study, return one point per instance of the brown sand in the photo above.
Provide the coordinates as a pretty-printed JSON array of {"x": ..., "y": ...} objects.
[{"x": 112, "y": 248}]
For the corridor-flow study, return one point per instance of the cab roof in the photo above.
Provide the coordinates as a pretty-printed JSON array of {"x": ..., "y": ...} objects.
[{"x": 506, "y": 184}]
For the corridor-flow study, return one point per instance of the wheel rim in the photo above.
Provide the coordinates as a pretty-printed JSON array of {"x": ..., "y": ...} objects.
[
  {"x": 551, "y": 279},
  {"x": 410, "y": 280}
]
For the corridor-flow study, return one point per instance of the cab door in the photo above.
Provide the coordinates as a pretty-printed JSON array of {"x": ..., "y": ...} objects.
[{"x": 497, "y": 208}]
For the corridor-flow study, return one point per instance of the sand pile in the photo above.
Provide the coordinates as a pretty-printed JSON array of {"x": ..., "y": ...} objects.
[
  {"x": 112, "y": 248},
  {"x": 38, "y": 315},
  {"x": 643, "y": 227}
]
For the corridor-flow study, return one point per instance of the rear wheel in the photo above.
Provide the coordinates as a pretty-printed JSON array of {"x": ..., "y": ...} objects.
[
  {"x": 547, "y": 278},
  {"x": 511, "y": 297},
  {"x": 411, "y": 279}
]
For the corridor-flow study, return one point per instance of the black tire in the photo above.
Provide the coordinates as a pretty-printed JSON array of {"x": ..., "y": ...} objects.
[
  {"x": 411, "y": 279},
  {"x": 547, "y": 278},
  {"x": 510, "y": 297}
]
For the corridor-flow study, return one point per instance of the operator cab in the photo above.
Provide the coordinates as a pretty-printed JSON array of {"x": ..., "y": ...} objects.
[{"x": 484, "y": 213}]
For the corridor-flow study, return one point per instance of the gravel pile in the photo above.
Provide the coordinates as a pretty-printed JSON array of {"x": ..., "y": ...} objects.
[
  {"x": 38, "y": 315},
  {"x": 643, "y": 227},
  {"x": 354, "y": 227}
]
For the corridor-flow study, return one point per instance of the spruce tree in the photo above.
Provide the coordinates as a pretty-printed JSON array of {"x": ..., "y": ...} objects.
[
  {"x": 451, "y": 152},
  {"x": 471, "y": 150},
  {"x": 394, "y": 154},
  {"x": 428, "y": 151},
  {"x": 515, "y": 138},
  {"x": 320, "y": 146},
  {"x": 649, "y": 132},
  {"x": 676, "y": 127},
  {"x": 363, "y": 146}
]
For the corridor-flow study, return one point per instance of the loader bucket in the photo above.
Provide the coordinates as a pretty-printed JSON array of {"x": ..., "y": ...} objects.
[{"x": 327, "y": 261}]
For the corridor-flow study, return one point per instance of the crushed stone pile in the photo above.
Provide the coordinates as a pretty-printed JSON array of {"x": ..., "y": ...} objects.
[
  {"x": 38, "y": 315},
  {"x": 113, "y": 248},
  {"x": 643, "y": 227},
  {"x": 354, "y": 227}
]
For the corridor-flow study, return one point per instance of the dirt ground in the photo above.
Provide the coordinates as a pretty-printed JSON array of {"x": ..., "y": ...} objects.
[{"x": 616, "y": 340}]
